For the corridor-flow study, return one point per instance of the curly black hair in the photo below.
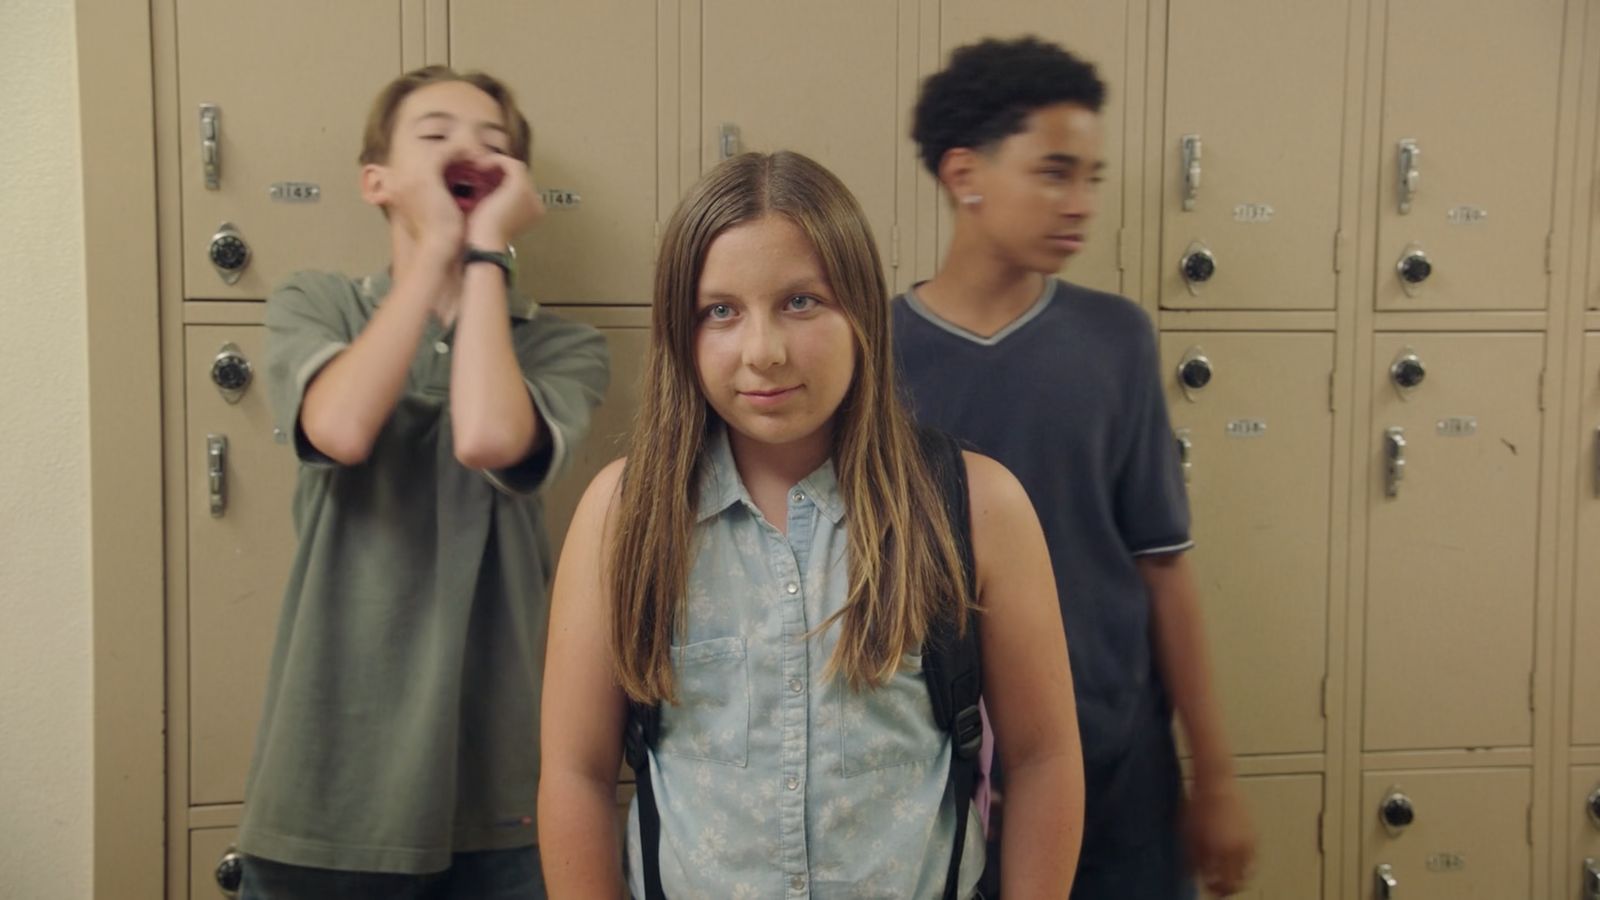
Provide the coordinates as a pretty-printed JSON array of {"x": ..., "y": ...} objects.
[{"x": 987, "y": 91}]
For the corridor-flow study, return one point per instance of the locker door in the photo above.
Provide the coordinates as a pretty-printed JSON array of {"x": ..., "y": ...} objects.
[
  {"x": 816, "y": 77},
  {"x": 1285, "y": 810},
  {"x": 207, "y": 847},
  {"x": 627, "y": 333},
  {"x": 1468, "y": 836},
  {"x": 585, "y": 76},
  {"x": 1451, "y": 555},
  {"x": 1097, "y": 32},
  {"x": 1259, "y": 437},
  {"x": 1261, "y": 198},
  {"x": 239, "y": 555},
  {"x": 1581, "y": 875},
  {"x": 291, "y": 82},
  {"x": 1586, "y": 621},
  {"x": 1483, "y": 115}
]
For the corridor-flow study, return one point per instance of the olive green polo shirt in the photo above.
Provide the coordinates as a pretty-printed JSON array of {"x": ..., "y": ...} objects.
[{"x": 402, "y": 708}]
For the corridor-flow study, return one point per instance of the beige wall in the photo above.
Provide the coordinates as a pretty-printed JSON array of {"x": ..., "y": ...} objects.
[{"x": 45, "y": 663}]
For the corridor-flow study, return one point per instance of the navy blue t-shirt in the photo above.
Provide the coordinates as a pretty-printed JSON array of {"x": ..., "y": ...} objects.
[{"x": 1068, "y": 397}]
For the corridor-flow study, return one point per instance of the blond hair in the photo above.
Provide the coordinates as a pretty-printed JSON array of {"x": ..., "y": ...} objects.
[
  {"x": 904, "y": 567},
  {"x": 378, "y": 135}
]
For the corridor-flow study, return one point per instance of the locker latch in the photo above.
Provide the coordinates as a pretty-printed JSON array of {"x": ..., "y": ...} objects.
[
  {"x": 1192, "y": 150},
  {"x": 1394, "y": 439},
  {"x": 1387, "y": 887},
  {"x": 217, "y": 473},
  {"x": 1185, "y": 448},
  {"x": 211, "y": 145},
  {"x": 728, "y": 145},
  {"x": 1410, "y": 174}
]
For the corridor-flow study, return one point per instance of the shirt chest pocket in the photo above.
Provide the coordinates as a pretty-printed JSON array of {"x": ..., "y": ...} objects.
[
  {"x": 891, "y": 725},
  {"x": 711, "y": 720}
]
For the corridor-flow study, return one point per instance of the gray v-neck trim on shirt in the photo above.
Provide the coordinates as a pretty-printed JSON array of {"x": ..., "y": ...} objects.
[{"x": 917, "y": 306}]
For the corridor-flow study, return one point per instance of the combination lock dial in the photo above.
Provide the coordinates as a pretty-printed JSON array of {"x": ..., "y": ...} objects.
[
  {"x": 1198, "y": 265},
  {"x": 1195, "y": 372},
  {"x": 229, "y": 253},
  {"x": 1397, "y": 812},
  {"x": 230, "y": 873},
  {"x": 1407, "y": 371},
  {"x": 231, "y": 372},
  {"x": 1414, "y": 268}
]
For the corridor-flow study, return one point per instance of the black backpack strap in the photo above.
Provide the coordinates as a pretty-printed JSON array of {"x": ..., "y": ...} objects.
[
  {"x": 643, "y": 728},
  {"x": 952, "y": 664}
]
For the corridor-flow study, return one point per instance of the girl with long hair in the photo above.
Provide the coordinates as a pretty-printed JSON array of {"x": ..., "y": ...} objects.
[{"x": 764, "y": 569}]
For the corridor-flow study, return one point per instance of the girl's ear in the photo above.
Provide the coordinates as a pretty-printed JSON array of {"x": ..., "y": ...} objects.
[{"x": 374, "y": 184}]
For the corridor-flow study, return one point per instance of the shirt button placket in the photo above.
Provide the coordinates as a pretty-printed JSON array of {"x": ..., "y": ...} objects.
[{"x": 794, "y": 748}]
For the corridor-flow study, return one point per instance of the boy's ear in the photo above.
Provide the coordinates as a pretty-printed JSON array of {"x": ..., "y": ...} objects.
[
  {"x": 374, "y": 184},
  {"x": 959, "y": 172}
]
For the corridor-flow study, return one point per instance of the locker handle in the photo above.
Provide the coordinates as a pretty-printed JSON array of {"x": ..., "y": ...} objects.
[
  {"x": 217, "y": 473},
  {"x": 1410, "y": 173},
  {"x": 1394, "y": 439},
  {"x": 1185, "y": 447},
  {"x": 1388, "y": 887},
  {"x": 210, "y": 148},
  {"x": 1193, "y": 149},
  {"x": 729, "y": 141},
  {"x": 1597, "y": 462}
]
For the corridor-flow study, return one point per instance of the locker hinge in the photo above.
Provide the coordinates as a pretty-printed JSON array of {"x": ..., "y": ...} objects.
[
  {"x": 1338, "y": 250},
  {"x": 894, "y": 246},
  {"x": 1541, "y": 389},
  {"x": 1532, "y": 692},
  {"x": 1122, "y": 249},
  {"x": 1530, "y": 824},
  {"x": 1324, "y": 696},
  {"x": 1550, "y": 253},
  {"x": 1321, "y": 815},
  {"x": 1333, "y": 406}
]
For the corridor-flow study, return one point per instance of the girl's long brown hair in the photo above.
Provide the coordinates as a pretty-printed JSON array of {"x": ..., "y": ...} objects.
[{"x": 905, "y": 570}]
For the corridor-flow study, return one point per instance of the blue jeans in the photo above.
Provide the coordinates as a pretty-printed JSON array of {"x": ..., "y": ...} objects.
[{"x": 485, "y": 875}]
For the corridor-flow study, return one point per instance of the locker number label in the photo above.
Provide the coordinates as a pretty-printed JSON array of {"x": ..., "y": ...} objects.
[
  {"x": 1246, "y": 428},
  {"x": 1467, "y": 215},
  {"x": 1458, "y": 426},
  {"x": 294, "y": 192},
  {"x": 1252, "y": 213},
  {"x": 1446, "y": 862}
]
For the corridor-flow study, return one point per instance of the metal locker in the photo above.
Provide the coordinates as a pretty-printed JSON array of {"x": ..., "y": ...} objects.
[
  {"x": 1580, "y": 876},
  {"x": 272, "y": 99},
  {"x": 1251, "y": 415},
  {"x": 1467, "y": 149},
  {"x": 1586, "y": 606},
  {"x": 627, "y": 333},
  {"x": 213, "y": 864},
  {"x": 1454, "y": 453},
  {"x": 241, "y": 540},
  {"x": 1445, "y": 834},
  {"x": 819, "y": 78},
  {"x": 585, "y": 76},
  {"x": 1260, "y": 198},
  {"x": 1286, "y": 810},
  {"x": 1097, "y": 32}
]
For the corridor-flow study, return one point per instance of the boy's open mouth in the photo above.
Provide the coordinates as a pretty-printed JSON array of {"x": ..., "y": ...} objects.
[{"x": 469, "y": 184}]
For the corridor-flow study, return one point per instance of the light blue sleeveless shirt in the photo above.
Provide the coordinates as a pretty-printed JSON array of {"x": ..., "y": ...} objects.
[{"x": 773, "y": 781}]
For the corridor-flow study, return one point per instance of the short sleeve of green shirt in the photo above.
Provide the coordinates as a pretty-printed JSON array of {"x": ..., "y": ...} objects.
[
  {"x": 311, "y": 318},
  {"x": 565, "y": 367}
]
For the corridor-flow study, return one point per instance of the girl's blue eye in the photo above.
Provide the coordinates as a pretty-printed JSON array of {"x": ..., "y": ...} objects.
[
  {"x": 802, "y": 302},
  {"x": 719, "y": 311}
]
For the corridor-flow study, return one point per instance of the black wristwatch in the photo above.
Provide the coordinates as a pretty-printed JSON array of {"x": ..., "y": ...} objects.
[{"x": 507, "y": 261}]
